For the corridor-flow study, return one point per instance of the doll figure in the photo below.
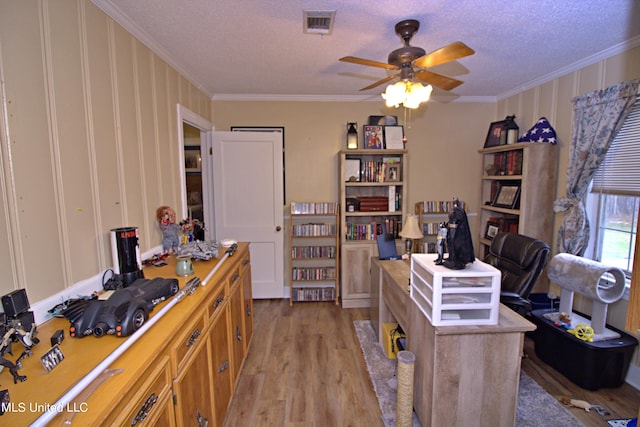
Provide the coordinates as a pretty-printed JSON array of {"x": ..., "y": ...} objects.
[
  {"x": 441, "y": 241},
  {"x": 170, "y": 230}
]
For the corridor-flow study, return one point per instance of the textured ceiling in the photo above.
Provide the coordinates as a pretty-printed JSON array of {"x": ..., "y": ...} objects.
[{"x": 235, "y": 49}]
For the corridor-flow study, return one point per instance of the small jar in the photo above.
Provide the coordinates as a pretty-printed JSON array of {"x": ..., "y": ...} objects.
[{"x": 184, "y": 266}]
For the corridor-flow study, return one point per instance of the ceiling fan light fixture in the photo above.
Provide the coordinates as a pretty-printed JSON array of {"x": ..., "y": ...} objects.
[{"x": 408, "y": 93}]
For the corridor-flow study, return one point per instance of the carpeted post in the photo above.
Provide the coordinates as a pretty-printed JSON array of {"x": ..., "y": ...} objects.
[{"x": 404, "y": 402}]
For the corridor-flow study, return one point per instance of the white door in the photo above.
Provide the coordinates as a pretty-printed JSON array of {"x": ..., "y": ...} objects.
[{"x": 247, "y": 174}]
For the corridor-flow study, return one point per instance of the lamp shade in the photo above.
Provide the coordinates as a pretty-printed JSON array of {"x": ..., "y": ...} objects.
[{"x": 411, "y": 230}]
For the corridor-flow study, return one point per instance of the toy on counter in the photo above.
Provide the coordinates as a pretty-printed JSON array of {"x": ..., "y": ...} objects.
[
  {"x": 13, "y": 331},
  {"x": 170, "y": 230}
]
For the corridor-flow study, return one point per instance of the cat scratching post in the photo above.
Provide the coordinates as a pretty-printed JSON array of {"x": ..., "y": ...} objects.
[
  {"x": 404, "y": 403},
  {"x": 591, "y": 279}
]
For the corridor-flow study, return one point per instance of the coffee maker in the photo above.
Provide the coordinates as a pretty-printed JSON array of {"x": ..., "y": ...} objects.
[{"x": 125, "y": 251}]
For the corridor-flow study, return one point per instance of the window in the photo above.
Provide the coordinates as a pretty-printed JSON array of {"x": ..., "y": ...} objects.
[{"x": 615, "y": 198}]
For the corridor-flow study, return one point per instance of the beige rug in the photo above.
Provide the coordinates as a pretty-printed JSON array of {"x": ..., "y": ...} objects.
[{"x": 536, "y": 407}]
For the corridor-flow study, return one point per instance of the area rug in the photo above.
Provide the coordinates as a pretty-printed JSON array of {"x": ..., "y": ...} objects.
[{"x": 536, "y": 407}]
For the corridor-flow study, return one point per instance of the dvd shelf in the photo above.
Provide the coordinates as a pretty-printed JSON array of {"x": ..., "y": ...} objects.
[{"x": 314, "y": 251}]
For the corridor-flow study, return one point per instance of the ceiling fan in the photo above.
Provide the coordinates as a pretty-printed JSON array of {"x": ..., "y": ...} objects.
[{"x": 413, "y": 61}]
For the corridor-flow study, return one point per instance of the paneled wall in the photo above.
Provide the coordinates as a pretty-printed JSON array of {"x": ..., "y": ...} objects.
[
  {"x": 553, "y": 101},
  {"x": 89, "y": 141}
]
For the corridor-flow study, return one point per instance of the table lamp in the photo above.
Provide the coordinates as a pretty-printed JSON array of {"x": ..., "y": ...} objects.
[{"x": 410, "y": 231}]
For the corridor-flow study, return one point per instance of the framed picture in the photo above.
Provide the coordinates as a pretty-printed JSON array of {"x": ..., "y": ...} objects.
[
  {"x": 383, "y": 120},
  {"x": 393, "y": 136},
  {"x": 392, "y": 171},
  {"x": 352, "y": 170},
  {"x": 496, "y": 135},
  {"x": 373, "y": 137},
  {"x": 507, "y": 196},
  {"x": 279, "y": 129},
  {"x": 192, "y": 159},
  {"x": 492, "y": 229}
]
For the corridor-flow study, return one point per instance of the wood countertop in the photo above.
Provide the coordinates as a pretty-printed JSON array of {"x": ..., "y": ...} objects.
[{"x": 40, "y": 392}]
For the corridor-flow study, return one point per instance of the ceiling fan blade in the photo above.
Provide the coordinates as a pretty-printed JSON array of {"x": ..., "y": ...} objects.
[
  {"x": 368, "y": 62},
  {"x": 445, "y": 54},
  {"x": 438, "y": 80},
  {"x": 379, "y": 82}
]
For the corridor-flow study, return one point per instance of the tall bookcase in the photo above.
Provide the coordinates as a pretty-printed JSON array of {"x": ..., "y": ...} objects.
[
  {"x": 529, "y": 169},
  {"x": 314, "y": 251},
  {"x": 373, "y": 191}
]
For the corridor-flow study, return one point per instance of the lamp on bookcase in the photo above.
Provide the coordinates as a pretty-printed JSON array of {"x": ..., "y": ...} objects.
[
  {"x": 410, "y": 230},
  {"x": 352, "y": 136}
]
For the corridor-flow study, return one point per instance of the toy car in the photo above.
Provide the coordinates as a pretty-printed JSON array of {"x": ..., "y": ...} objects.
[{"x": 123, "y": 313}]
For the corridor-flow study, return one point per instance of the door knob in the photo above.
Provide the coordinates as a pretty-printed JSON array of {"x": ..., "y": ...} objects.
[{"x": 278, "y": 228}]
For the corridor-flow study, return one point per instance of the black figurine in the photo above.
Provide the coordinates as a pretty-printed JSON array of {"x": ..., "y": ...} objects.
[{"x": 14, "y": 332}]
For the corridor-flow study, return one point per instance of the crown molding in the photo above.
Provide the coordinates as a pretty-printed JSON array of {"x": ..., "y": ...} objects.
[
  {"x": 117, "y": 15},
  {"x": 583, "y": 63}
]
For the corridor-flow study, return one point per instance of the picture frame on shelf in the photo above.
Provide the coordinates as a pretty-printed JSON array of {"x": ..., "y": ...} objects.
[
  {"x": 192, "y": 159},
  {"x": 383, "y": 120},
  {"x": 507, "y": 196},
  {"x": 352, "y": 170},
  {"x": 492, "y": 229},
  {"x": 392, "y": 170},
  {"x": 393, "y": 137},
  {"x": 373, "y": 137},
  {"x": 496, "y": 135}
]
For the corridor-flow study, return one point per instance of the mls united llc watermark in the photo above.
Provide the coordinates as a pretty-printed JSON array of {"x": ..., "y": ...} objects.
[{"x": 40, "y": 408}]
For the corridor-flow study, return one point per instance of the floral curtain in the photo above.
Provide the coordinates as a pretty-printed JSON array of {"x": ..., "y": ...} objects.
[{"x": 597, "y": 118}]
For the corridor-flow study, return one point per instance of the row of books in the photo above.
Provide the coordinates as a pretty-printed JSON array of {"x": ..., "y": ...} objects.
[
  {"x": 387, "y": 170},
  {"x": 313, "y": 252},
  {"x": 439, "y": 206},
  {"x": 313, "y": 294},
  {"x": 430, "y": 228},
  {"x": 369, "y": 231},
  {"x": 507, "y": 163},
  {"x": 320, "y": 208},
  {"x": 313, "y": 273},
  {"x": 314, "y": 230}
]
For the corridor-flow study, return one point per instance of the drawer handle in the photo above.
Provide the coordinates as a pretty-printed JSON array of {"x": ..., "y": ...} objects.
[
  {"x": 234, "y": 278},
  {"x": 248, "y": 310},
  {"x": 223, "y": 367},
  {"x": 202, "y": 422},
  {"x": 238, "y": 333},
  {"x": 145, "y": 409},
  {"x": 194, "y": 337},
  {"x": 218, "y": 301},
  {"x": 245, "y": 262}
]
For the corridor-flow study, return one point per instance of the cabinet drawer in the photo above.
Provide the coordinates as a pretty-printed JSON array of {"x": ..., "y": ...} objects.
[
  {"x": 215, "y": 303},
  {"x": 186, "y": 342},
  {"x": 145, "y": 405}
]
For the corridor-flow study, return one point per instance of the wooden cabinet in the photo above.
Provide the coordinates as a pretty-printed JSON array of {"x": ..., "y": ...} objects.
[
  {"x": 180, "y": 372},
  {"x": 373, "y": 193},
  {"x": 314, "y": 251},
  {"x": 528, "y": 171}
]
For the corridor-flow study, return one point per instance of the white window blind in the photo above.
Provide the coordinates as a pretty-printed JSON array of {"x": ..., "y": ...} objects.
[{"x": 620, "y": 171}]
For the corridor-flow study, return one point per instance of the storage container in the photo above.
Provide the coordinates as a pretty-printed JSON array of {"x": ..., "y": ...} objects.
[{"x": 455, "y": 297}]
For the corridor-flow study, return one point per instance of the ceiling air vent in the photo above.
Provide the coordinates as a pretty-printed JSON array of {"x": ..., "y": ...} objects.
[{"x": 319, "y": 21}]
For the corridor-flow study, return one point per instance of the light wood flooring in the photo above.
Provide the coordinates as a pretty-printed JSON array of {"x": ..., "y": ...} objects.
[{"x": 305, "y": 368}]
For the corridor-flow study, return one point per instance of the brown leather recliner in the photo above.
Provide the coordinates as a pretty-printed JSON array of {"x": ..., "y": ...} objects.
[{"x": 521, "y": 260}]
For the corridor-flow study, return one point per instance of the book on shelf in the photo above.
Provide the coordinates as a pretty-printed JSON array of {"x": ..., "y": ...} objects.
[
  {"x": 370, "y": 231},
  {"x": 313, "y": 294},
  {"x": 373, "y": 204},
  {"x": 440, "y": 206},
  {"x": 508, "y": 163},
  {"x": 392, "y": 199}
]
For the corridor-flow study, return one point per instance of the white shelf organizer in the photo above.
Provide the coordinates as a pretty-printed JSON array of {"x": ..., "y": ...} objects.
[{"x": 455, "y": 297}]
